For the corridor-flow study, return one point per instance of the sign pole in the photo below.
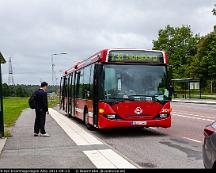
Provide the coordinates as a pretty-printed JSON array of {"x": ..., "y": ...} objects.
[{"x": 1, "y": 108}]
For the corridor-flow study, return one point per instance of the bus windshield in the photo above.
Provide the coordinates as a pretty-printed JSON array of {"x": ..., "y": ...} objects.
[{"x": 134, "y": 82}]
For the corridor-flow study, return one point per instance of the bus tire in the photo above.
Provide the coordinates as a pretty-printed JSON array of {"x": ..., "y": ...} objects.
[
  {"x": 89, "y": 127},
  {"x": 69, "y": 115}
]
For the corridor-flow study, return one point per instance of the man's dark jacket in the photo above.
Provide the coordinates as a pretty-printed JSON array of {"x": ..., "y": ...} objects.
[{"x": 41, "y": 100}]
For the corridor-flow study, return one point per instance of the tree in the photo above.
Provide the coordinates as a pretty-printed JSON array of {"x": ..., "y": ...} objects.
[
  {"x": 204, "y": 63},
  {"x": 180, "y": 45},
  {"x": 5, "y": 89},
  {"x": 214, "y": 10}
]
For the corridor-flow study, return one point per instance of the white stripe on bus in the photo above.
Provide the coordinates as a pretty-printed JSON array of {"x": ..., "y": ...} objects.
[{"x": 90, "y": 114}]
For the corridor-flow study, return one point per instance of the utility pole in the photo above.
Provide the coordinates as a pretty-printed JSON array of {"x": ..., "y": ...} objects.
[
  {"x": 10, "y": 77},
  {"x": 53, "y": 65}
]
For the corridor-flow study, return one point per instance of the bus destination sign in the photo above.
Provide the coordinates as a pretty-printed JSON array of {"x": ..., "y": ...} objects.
[{"x": 135, "y": 56}]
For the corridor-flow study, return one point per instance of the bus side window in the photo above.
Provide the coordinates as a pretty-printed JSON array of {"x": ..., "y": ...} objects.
[
  {"x": 81, "y": 84},
  {"x": 70, "y": 85},
  {"x": 111, "y": 83},
  {"x": 65, "y": 87},
  {"x": 86, "y": 88},
  {"x": 77, "y": 83},
  {"x": 91, "y": 82},
  {"x": 60, "y": 92}
]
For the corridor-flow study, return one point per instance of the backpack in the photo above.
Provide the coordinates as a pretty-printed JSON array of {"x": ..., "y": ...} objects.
[{"x": 32, "y": 102}]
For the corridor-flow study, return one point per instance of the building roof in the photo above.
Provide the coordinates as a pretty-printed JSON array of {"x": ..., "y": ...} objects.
[
  {"x": 2, "y": 60},
  {"x": 186, "y": 80}
]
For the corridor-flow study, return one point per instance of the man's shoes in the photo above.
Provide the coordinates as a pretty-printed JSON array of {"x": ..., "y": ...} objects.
[
  {"x": 45, "y": 135},
  {"x": 40, "y": 134},
  {"x": 35, "y": 134}
]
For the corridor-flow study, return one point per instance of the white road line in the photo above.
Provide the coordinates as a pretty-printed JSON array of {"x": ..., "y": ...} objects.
[
  {"x": 76, "y": 133},
  {"x": 98, "y": 159},
  {"x": 107, "y": 158},
  {"x": 204, "y": 119},
  {"x": 192, "y": 140},
  {"x": 195, "y": 115}
]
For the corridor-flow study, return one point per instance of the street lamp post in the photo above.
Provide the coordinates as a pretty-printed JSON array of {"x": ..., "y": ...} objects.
[{"x": 52, "y": 64}]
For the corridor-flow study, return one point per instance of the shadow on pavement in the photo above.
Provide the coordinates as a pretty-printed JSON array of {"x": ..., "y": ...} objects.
[{"x": 130, "y": 132}]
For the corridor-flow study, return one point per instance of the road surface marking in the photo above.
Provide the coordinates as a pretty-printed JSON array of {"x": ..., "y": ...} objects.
[
  {"x": 76, "y": 133},
  {"x": 192, "y": 140},
  {"x": 195, "y": 115},
  {"x": 204, "y": 119},
  {"x": 107, "y": 158}
]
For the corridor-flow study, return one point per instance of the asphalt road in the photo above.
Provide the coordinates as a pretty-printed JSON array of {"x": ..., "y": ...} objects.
[
  {"x": 190, "y": 119},
  {"x": 177, "y": 147}
]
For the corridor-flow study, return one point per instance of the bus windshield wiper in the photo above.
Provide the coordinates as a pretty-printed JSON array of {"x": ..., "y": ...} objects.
[
  {"x": 153, "y": 97},
  {"x": 142, "y": 95}
]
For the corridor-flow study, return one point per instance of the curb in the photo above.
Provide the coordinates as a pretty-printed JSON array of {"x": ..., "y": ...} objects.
[{"x": 2, "y": 143}]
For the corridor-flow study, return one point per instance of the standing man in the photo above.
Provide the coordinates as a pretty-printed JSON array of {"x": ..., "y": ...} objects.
[{"x": 41, "y": 110}]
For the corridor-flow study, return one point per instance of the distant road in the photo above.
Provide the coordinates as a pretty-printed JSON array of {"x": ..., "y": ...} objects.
[{"x": 190, "y": 119}]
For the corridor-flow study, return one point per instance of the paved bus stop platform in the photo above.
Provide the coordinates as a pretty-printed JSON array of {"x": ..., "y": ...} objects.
[{"x": 69, "y": 146}]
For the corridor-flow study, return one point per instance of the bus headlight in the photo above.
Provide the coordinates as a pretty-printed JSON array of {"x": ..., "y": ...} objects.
[{"x": 101, "y": 110}]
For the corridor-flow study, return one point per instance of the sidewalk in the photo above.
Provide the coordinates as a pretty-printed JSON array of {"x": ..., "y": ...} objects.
[
  {"x": 69, "y": 146},
  {"x": 196, "y": 101}
]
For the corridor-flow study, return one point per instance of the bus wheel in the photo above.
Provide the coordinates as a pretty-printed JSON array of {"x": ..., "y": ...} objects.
[
  {"x": 69, "y": 115},
  {"x": 89, "y": 127}
]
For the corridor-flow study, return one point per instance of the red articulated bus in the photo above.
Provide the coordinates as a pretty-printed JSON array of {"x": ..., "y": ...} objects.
[{"x": 119, "y": 88}]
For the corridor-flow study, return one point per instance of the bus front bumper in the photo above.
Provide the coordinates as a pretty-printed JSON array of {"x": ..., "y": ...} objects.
[{"x": 104, "y": 123}]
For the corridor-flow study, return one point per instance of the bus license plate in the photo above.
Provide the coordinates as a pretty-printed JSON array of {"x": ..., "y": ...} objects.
[{"x": 139, "y": 122}]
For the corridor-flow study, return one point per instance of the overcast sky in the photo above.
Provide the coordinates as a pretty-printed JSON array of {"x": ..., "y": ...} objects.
[{"x": 32, "y": 30}]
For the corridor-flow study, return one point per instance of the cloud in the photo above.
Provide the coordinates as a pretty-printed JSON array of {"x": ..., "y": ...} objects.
[{"x": 32, "y": 30}]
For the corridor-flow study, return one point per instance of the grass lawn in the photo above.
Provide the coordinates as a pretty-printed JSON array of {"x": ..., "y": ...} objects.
[
  {"x": 52, "y": 101},
  {"x": 13, "y": 106}
]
